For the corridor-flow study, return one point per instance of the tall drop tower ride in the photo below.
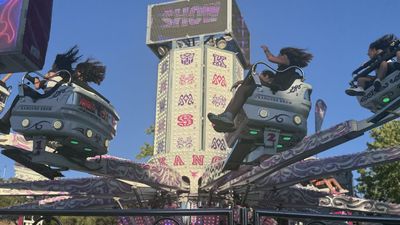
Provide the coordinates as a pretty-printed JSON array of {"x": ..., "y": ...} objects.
[{"x": 203, "y": 47}]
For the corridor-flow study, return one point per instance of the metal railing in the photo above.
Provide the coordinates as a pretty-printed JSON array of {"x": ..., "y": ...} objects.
[
  {"x": 322, "y": 217},
  {"x": 167, "y": 213}
]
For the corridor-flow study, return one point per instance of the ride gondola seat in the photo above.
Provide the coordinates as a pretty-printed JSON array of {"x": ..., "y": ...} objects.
[
  {"x": 282, "y": 112},
  {"x": 75, "y": 121},
  {"x": 390, "y": 90}
]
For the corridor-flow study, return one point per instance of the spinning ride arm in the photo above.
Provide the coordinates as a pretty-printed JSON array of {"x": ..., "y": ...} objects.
[{"x": 216, "y": 179}]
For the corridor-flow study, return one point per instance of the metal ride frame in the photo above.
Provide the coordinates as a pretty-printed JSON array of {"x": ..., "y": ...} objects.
[
  {"x": 164, "y": 214},
  {"x": 274, "y": 177},
  {"x": 269, "y": 187},
  {"x": 270, "y": 182}
]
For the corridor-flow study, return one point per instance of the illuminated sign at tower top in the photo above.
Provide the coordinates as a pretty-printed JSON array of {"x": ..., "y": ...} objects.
[
  {"x": 190, "y": 16},
  {"x": 187, "y": 18},
  {"x": 178, "y": 20}
]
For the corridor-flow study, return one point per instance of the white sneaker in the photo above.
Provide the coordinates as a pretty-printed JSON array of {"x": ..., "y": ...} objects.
[{"x": 355, "y": 91}]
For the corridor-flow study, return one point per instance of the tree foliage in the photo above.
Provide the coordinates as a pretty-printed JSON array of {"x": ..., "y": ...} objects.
[
  {"x": 7, "y": 201},
  {"x": 382, "y": 182},
  {"x": 146, "y": 150},
  {"x": 88, "y": 220}
]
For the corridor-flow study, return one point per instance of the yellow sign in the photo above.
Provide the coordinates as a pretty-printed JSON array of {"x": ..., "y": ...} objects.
[
  {"x": 160, "y": 127},
  {"x": 221, "y": 73},
  {"x": 186, "y": 100}
]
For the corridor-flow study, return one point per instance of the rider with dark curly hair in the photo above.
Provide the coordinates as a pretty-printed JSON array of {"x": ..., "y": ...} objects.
[
  {"x": 280, "y": 81},
  {"x": 385, "y": 68},
  {"x": 89, "y": 71}
]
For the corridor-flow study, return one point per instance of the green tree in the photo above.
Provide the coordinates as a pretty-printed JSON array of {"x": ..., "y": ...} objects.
[
  {"x": 88, "y": 220},
  {"x": 382, "y": 182},
  {"x": 146, "y": 150},
  {"x": 6, "y": 201}
]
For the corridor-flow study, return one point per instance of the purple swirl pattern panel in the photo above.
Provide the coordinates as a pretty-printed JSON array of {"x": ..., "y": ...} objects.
[
  {"x": 213, "y": 176},
  {"x": 357, "y": 204},
  {"x": 153, "y": 175},
  {"x": 300, "y": 197},
  {"x": 212, "y": 173},
  {"x": 72, "y": 187},
  {"x": 291, "y": 197},
  {"x": 150, "y": 174},
  {"x": 311, "y": 169},
  {"x": 309, "y": 146},
  {"x": 67, "y": 202}
]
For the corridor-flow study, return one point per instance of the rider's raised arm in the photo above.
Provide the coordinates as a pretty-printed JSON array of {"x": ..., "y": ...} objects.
[
  {"x": 6, "y": 77},
  {"x": 280, "y": 59},
  {"x": 50, "y": 75}
]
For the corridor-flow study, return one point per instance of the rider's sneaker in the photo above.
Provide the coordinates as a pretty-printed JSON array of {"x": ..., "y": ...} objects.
[
  {"x": 377, "y": 84},
  {"x": 223, "y": 129},
  {"x": 222, "y": 121},
  {"x": 5, "y": 127},
  {"x": 355, "y": 91},
  {"x": 397, "y": 65}
]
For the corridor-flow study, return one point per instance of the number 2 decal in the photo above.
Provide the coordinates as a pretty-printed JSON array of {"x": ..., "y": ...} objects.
[
  {"x": 271, "y": 137},
  {"x": 38, "y": 145}
]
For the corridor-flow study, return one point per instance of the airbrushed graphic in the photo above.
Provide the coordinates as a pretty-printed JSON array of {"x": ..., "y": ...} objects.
[{"x": 8, "y": 25}]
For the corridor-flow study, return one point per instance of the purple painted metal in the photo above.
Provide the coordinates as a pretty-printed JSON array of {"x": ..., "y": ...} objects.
[
  {"x": 100, "y": 186},
  {"x": 310, "y": 145},
  {"x": 300, "y": 197},
  {"x": 67, "y": 202},
  {"x": 358, "y": 204},
  {"x": 24, "y": 34},
  {"x": 214, "y": 176},
  {"x": 151, "y": 174},
  {"x": 312, "y": 169},
  {"x": 37, "y": 31}
]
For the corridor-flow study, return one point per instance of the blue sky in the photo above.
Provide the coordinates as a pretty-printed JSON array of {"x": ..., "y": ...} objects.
[{"x": 336, "y": 32}]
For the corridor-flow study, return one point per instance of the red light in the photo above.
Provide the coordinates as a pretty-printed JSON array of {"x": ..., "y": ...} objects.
[
  {"x": 114, "y": 121},
  {"x": 87, "y": 104},
  {"x": 103, "y": 114}
]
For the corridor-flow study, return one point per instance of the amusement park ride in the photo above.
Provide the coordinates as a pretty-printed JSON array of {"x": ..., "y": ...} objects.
[{"x": 201, "y": 55}]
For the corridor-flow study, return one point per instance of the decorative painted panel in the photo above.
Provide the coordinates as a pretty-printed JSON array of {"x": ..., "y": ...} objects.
[
  {"x": 10, "y": 16},
  {"x": 160, "y": 137},
  {"x": 186, "y": 101},
  {"x": 238, "y": 71},
  {"x": 220, "y": 76}
]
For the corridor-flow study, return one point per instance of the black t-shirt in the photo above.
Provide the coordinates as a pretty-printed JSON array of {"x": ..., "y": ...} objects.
[{"x": 283, "y": 80}]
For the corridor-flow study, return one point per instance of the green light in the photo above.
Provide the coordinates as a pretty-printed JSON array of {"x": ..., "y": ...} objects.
[
  {"x": 87, "y": 149},
  {"x": 253, "y": 132},
  {"x": 279, "y": 146},
  {"x": 287, "y": 138},
  {"x": 386, "y": 100},
  {"x": 74, "y": 142}
]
